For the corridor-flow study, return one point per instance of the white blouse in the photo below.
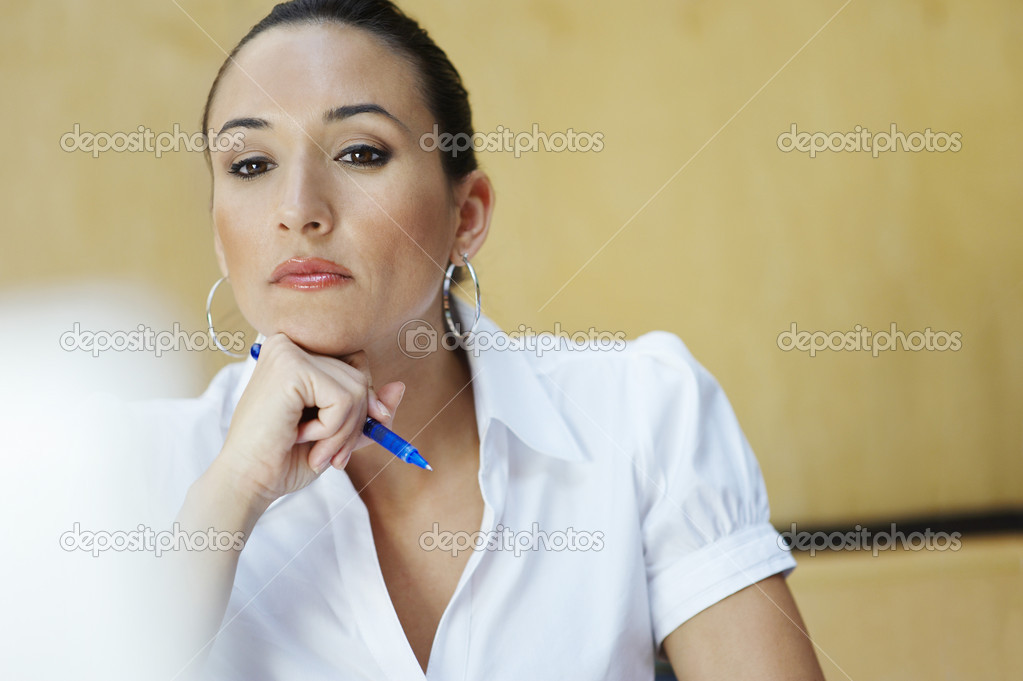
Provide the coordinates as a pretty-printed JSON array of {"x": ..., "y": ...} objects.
[{"x": 620, "y": 499}]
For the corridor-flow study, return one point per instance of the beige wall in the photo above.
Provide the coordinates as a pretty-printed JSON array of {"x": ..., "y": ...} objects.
[
  {"x": 689, "y": 220},
  {"x": 916, "y": 615}
]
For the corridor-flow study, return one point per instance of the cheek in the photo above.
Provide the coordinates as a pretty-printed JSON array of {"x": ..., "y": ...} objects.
[
  {"x": 240, "y": 254},
  {"x": 228, "y": 221},
  {"x": 244, "y": 268},
  {"x": 222, "y": 225},
  {"x": 425, "y": 214},
  {"x": 419, "y": 250}
]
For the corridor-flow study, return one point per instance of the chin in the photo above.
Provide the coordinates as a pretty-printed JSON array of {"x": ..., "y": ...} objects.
[
  {"x": 320, "y": 339},
  {"x": 319, "y": 344}
]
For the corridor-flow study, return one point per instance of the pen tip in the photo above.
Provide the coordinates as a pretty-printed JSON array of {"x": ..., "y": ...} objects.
[{"x": 429, "y": 467}]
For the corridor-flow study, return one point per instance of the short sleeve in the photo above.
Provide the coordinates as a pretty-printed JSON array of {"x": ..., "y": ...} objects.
[{"x": 704, "y": 510}]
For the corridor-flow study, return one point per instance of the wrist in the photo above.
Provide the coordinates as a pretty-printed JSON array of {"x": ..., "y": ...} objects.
[{"x": 228, "y": 499}]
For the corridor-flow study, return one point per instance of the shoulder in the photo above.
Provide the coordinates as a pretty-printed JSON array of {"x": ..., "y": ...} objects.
[
  {"x": 660, "y": 353},
  {"x": 654, "y": 405},
  {"x": 639, "y": 400},
  {"x": 647, "y": 377}
]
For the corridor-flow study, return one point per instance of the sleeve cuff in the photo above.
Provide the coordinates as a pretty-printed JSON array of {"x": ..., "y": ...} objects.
[{"x": 704, "y": 577}]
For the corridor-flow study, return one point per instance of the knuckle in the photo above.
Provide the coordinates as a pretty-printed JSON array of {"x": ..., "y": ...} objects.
[
  {"x": 279, "y": 351},
  {"x": 347, "y": 403},
  {"x": 277, "y": 340}
]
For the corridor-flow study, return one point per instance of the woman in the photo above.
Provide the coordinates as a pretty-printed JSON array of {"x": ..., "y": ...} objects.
[{"x": 335, "y": 226}]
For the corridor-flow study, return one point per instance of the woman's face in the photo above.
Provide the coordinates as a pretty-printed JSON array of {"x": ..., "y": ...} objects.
[{"x": 330, "y": 170}]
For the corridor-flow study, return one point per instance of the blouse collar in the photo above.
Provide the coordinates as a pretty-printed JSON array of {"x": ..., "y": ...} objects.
[{"x": 509, "y": 388}]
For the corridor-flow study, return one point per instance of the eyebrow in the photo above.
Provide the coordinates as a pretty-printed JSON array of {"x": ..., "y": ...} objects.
[
  {"x": 343, "y": 112},
  {"x": 336, "y": 114}
]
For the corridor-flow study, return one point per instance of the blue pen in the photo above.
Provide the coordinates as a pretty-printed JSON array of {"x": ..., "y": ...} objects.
[{"x": 379, "y": 433}]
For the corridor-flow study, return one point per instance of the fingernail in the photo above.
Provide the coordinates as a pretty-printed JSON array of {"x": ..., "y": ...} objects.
[
  {"x": 325, "y": 465},
  {"x": 383, "y": 409},
  {"x": 402, "y": 394}
]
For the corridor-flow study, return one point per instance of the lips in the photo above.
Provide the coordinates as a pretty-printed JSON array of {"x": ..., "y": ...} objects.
[{"x": 309, "y": 273}]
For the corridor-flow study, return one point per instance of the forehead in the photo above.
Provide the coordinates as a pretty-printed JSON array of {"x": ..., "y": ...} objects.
[{"x": 307, "y": 69}]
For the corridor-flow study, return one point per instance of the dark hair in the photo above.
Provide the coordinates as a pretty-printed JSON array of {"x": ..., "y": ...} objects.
[{"x": 439, "y": 83}]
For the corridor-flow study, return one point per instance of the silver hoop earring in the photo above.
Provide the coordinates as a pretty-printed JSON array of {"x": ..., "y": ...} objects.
[
  {"x": 447, "y": 298},
  {"x": 209, "y": 320}
]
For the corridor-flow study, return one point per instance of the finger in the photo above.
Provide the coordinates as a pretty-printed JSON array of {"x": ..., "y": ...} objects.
[
  {"x": 339, "y": 420},
  {"x": 356, "y": 367},
  {"x": 391, "y": 395},
  {"x": 317, "y": 467},
  {"x": 334, "y": 386},
  {"x": 334, "y": 392},
  {"x": 359, "y": 361},
  {"x": 325, "y": 450},
  {"x": 312, "y": 381},
  {"x": 331, "y": 419},
  {"x": 341, "y": 459}
]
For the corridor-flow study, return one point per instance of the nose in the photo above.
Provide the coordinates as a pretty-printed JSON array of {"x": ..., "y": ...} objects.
[{"x": 305, "y": 205}]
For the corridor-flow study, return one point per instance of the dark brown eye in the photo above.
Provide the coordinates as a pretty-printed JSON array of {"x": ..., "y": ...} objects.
[
  {"x": 249, "y": 167},
  {"x": 363, "y": 155}
]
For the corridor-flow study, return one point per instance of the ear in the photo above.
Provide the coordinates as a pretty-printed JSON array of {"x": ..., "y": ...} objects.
[
  {"x": 218, "y": 248},
  {"x": 474, "y": 198}
]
